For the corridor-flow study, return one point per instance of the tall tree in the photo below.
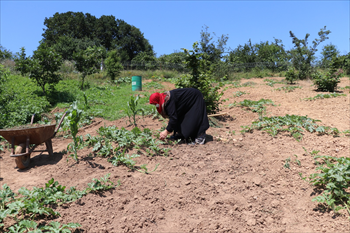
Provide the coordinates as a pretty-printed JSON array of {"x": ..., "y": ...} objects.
[
  {"x": 44, "y": 66},
  {"x": 303, "y": 55},
  {"x": 73, "y": 31},
  {"x": 328, "y": 53},
  {"x": 5, "y": 54},
  {"x": 87, "y": 61},
  {"x": 130, "y": 41}
]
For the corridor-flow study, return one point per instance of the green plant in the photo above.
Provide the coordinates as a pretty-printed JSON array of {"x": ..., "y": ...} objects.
[
  {"x": 124, "y": 159},
  {"x": 44, "y": 67},
  {"x": 200, "y": 77},
  {"x": 288, "y": 160},
  {"x": 87, "y": 61},
  {"x": 113, "y": 64},
  {"x": 73, "y": 121},
  {"x": 28, "y": 206},
  {"x": 133, "y": 109},
  {"x": 144, "y": 169},
  {"x": 325, "y": 96},
  {"x": 102, "y": 184},
  {"x": 302, "y": 55},
  {"x": 257, "y": 106},
  {"x": 290, "y": 123},
  {"x": 239, "y": 93},
  {"x": 334, "y": 178},
  {"x": 272, "y": 82},
  {"x": 328, "y": 81},
  {"x": 292, "y": 75}
]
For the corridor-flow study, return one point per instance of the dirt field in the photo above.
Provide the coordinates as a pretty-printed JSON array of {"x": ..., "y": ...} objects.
[{"x": 233, "y": 183}]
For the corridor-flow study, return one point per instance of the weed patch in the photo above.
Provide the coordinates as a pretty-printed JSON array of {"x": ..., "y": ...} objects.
[{"x": 324, "y": 96}]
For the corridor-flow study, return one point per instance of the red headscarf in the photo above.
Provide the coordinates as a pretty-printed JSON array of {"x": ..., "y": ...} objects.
[{"x": 157, "y": 98}]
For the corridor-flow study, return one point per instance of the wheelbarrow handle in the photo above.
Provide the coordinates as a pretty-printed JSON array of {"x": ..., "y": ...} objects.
[
  {"x": 59, "y": 124},
  {"x": 32, "y": 120}
]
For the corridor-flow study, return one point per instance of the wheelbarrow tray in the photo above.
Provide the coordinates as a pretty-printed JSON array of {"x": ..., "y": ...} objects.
[{"x": 37, "y": 135}]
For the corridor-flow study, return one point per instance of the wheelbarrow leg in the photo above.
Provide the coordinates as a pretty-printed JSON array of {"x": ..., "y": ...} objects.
[
  {"x": 48, "y": 144},
  {"x": 22, "y": 162}
]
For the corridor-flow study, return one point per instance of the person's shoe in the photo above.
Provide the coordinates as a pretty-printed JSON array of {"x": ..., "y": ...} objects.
[{"x": 201, "y": 139}]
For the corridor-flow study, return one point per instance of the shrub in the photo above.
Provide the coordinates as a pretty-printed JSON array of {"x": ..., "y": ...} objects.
[
  {"x": 200, "y": 78},
  {"x": 292, "y": 75},
  {"x": 328, "y": 81}
]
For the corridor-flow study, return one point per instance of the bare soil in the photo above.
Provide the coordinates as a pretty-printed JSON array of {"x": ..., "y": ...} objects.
[{"x": 233, "y": 183}]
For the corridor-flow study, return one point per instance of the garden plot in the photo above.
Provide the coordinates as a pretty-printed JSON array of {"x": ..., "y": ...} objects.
[{"x": 245, "y": 181}]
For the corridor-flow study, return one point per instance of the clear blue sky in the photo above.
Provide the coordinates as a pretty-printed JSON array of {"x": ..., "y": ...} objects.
[{"x": 172, "y": 25}]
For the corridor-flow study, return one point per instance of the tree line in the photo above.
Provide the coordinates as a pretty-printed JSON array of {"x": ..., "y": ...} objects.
[{"x": 92, "y": 42}]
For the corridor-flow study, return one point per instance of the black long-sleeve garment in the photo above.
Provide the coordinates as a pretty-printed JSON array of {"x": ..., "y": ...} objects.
[{"x": 187, "y": 112}]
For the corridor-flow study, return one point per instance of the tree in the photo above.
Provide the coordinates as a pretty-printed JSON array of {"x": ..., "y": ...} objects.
[
  {"x": 66, "y": 46},
  {"x": 243, "y": 55},
  {"x": 22, "y": 62},
  {"x": 303, "y": 55},
  {"x": 214, "y": 52},
  {"x": 88, "y": 61},
  {"x": 200, "y": 78},
  {"x": 329, "y": 52},
  {"x": 272, "y": 54},
  {"x": 73, "y": 31},
  {"x": 145, "y": 61},
  {"x": 130, "y": 41},
  {"x": 173, "y": 61},
  {"x": 44, "y": 66},
  {"x": 113, "y": 65},
  {"x": 5, "y": 54}
]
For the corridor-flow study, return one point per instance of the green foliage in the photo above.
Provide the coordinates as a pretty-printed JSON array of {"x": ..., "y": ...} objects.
[
  {"x": 113, "y": 64},
  {"x": 292, "y": 75},
  {"x": 328, "y": 81},
  {"x": 73, "y": 32},
  {"x": 145, "y": 61},
  {"x": 292, "y": 124},
  {"x": 88, "y": 61},
  {"x": 19, "y": 101},
  {"x": 133, "y": 109},
  {"x": 153, "y": 85},
  {"x": 288, "y": 161},
  {"x": 44, "y": 67},
  {"x": 325, "y": 96},
  {"x": 5, "y": 54},
  {"x": 272, "y": 82},
  {"x": 22, "y": 62},
  {"x": 288, "y": 88},
  {"x": 257, "y": 106},
  {"x": 28, "y": 206},
  {"x": 73, "y": 118},
  {"x": 262, "y": 56},
  {"x": 200, "y": 78},
  {"x": 239, "y": 93},
  {"x": 334, "y": 178},
  {"x": 329, "y": 52},
  {"x": 302, "y": 55},
  {"x": 102, "y": 184}
]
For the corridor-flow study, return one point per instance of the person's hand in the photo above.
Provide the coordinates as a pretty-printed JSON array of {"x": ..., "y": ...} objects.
[{"x": 163, "y": 134}]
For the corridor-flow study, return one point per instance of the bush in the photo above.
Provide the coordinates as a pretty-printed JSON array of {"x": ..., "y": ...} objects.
[
  {"x": 328, "y": 81},
  {"x": 201, "y": 79},
  {"x": 292, "y": 75}
]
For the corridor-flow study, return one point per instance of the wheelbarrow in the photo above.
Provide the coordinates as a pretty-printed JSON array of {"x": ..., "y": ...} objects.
[{"x": 27, "y": 139}]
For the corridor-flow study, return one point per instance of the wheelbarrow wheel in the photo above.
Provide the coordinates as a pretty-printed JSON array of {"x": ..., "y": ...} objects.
[{"x": 22, "y": 162}]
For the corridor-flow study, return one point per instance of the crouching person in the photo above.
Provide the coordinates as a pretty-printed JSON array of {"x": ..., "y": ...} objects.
[{"x": 186, "y": 110}]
